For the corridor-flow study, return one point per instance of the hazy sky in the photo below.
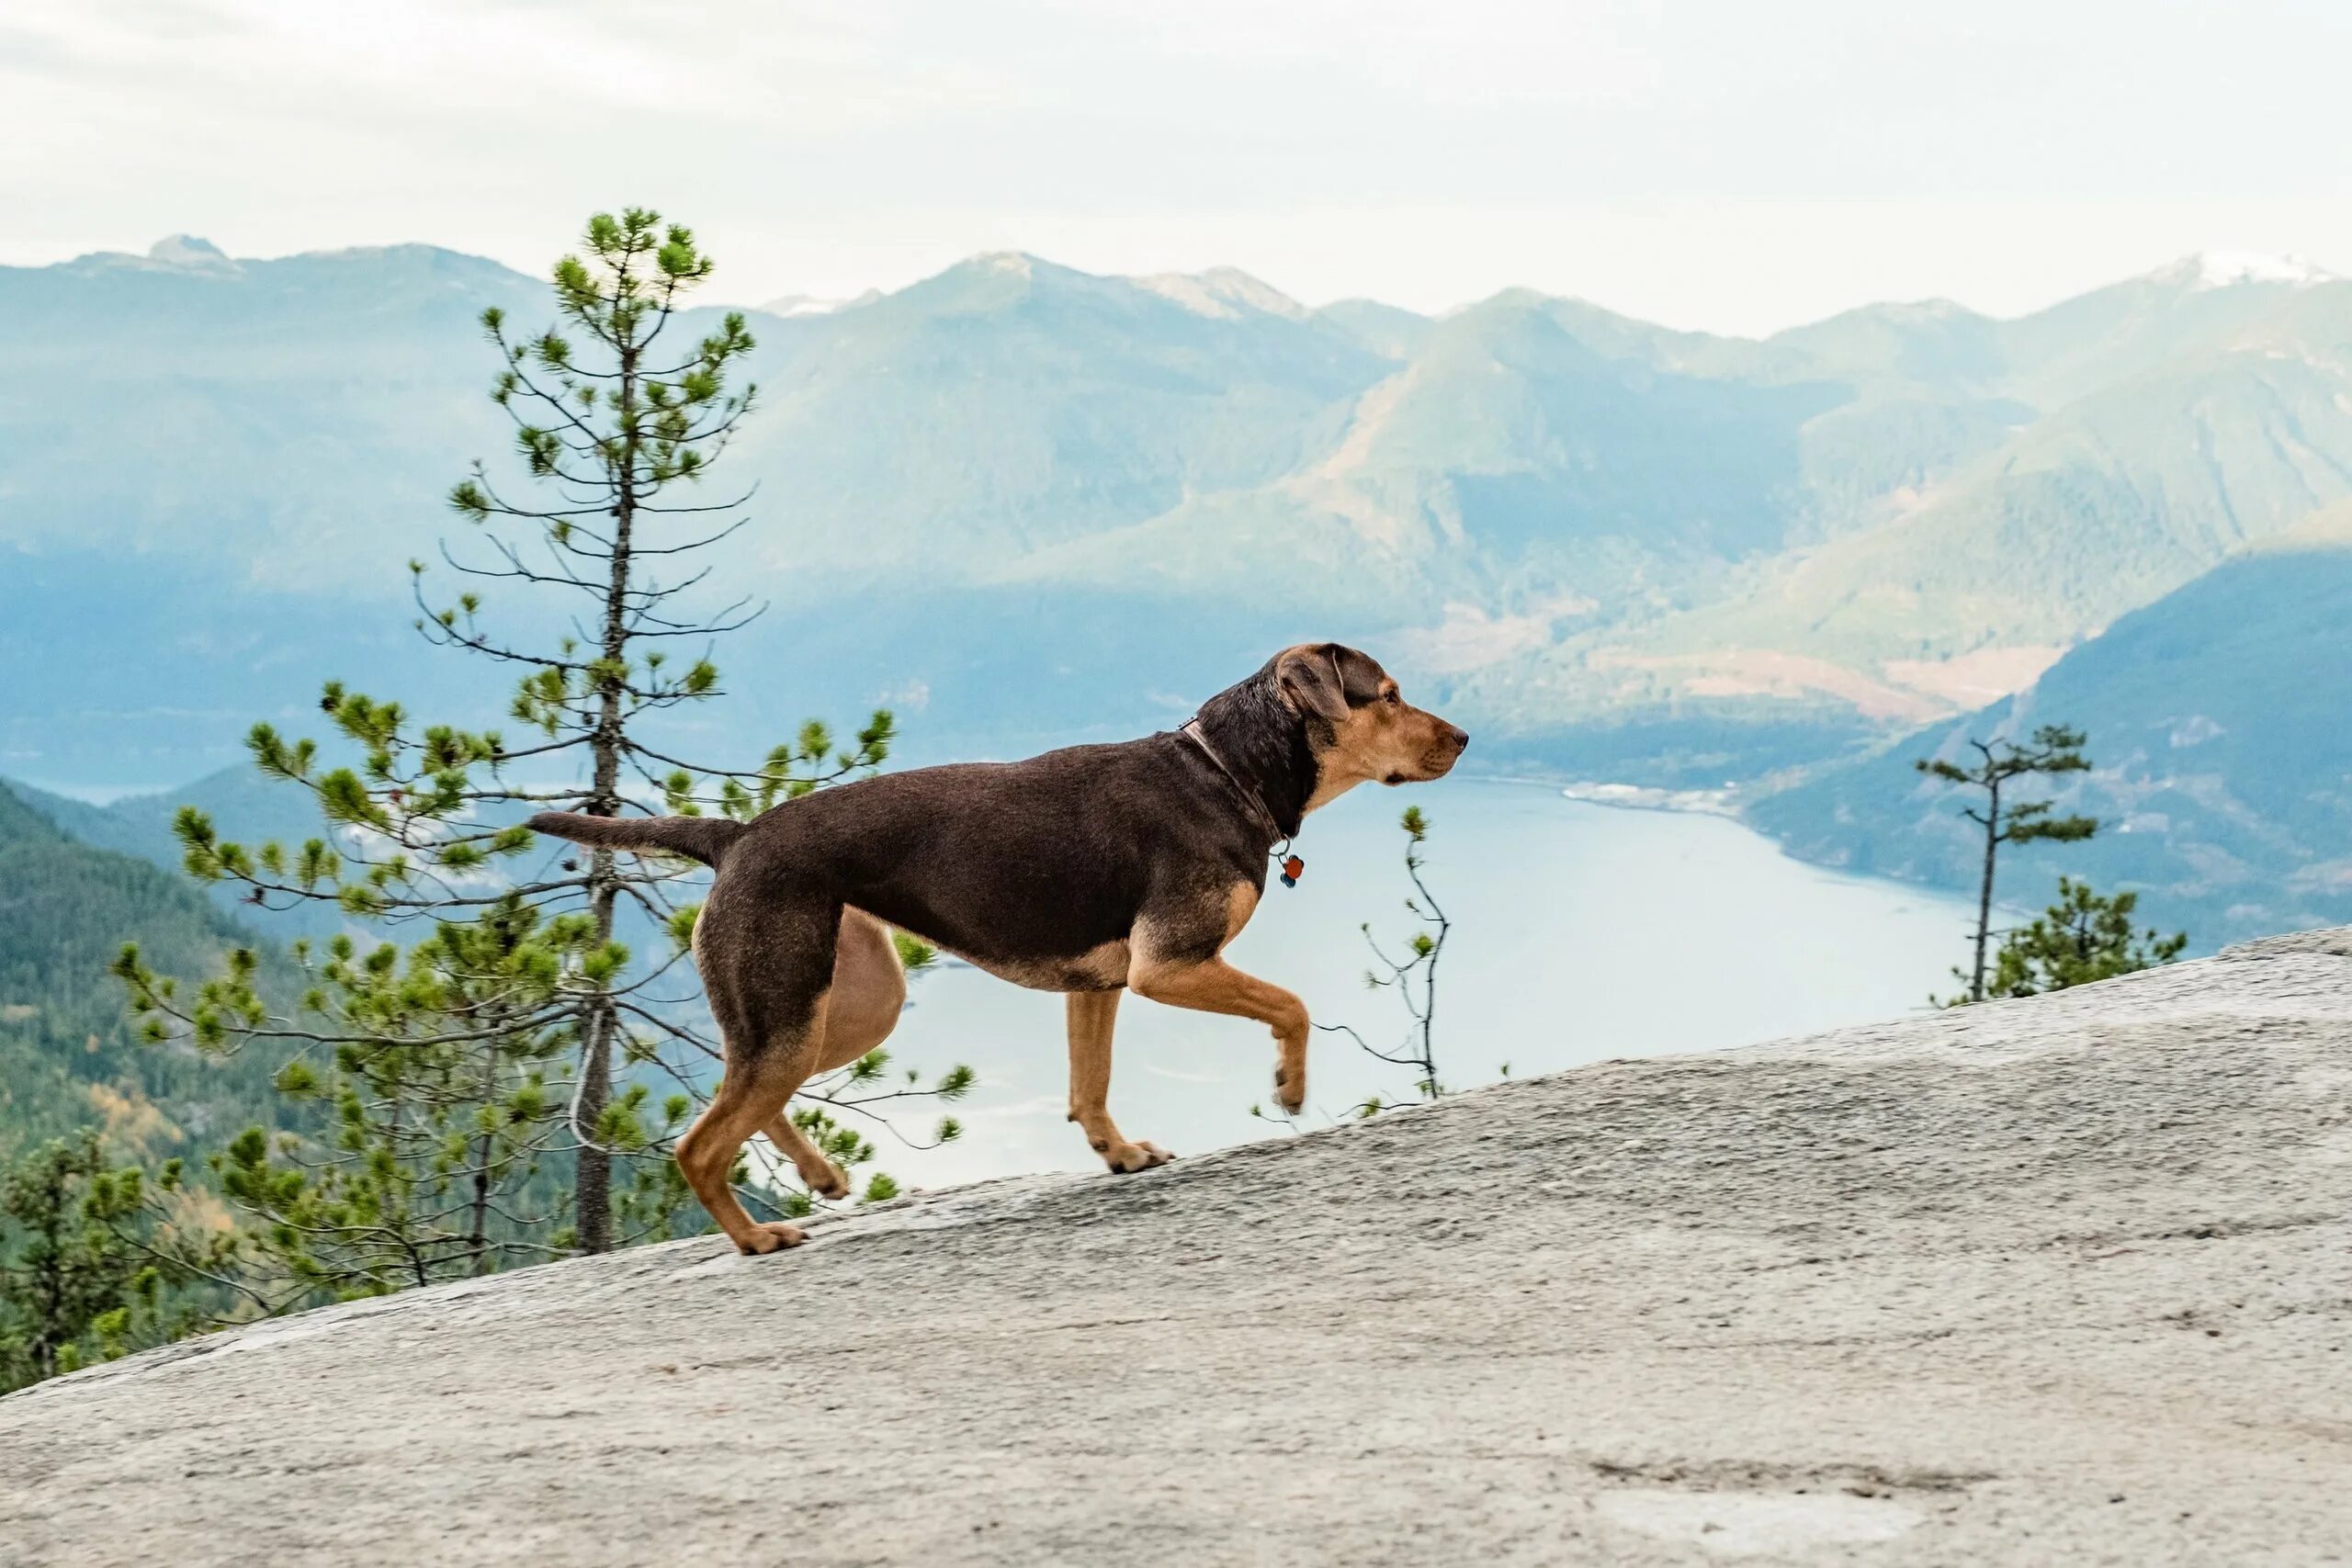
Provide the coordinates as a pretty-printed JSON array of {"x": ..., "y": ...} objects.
[{"x": 1724, "y": 164}]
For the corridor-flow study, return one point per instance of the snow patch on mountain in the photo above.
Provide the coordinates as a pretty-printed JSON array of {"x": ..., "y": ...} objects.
[
  {"x": 1223, "y": 293},
  {"x": 815, "y": 305},
  {"x": 2222, "y": 269}
]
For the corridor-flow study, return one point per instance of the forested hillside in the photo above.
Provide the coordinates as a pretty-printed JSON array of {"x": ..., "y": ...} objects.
[{"x": 68, "y": 1058}]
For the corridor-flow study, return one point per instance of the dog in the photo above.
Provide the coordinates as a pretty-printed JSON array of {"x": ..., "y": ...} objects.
[{"x": 1091, "y": 871}]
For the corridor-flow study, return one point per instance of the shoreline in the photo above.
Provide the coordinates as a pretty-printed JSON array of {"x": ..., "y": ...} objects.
[{"x": 1724, "y": 803}]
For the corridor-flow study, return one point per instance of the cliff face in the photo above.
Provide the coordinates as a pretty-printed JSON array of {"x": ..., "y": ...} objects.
[{"x": 2060, "y": 1280}]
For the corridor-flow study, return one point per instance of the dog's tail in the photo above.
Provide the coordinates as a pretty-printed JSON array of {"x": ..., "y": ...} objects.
[{"x": 698, "y": 838}]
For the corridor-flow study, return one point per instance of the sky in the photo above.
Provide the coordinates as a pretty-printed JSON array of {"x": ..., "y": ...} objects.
[{"x": 1708, "y": 164}]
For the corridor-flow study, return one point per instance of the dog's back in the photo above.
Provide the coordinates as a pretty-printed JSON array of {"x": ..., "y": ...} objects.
[{"x": 1004, "y": 862}]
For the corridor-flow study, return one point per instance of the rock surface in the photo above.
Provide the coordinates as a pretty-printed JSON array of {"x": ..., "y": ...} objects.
[{"x": 2067, "y": 1279}]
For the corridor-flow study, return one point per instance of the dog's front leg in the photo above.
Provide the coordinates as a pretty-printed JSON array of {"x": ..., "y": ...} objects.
[
  {"x": 1214, "y": 986},
  {"x": 1092, "y": 1016}
]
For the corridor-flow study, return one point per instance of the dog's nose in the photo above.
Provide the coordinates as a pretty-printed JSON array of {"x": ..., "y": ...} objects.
[{"x": 1459, "y": 736}]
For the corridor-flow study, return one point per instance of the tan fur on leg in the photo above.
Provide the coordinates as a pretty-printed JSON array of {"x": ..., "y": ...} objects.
[
  {"x": 1092, "y": 1015},
  {"x": 1217, "y": 987},
  {"x": 818, "y": 1172},
  {"x": 748, "y": 1099},
  {"x": 868, "y": 993}
]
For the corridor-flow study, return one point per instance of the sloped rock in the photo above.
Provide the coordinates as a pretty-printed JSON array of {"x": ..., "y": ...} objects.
[{"x": 2066, "y": 1279}]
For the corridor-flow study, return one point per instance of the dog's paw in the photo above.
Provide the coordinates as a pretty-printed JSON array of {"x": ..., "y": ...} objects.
[
  {"x": 772, "y": 1236},
  {"x": 831, "y": 1182},
  {"x": 1125, "y": 1158},
  {"x": 1290, "y": 1091}
]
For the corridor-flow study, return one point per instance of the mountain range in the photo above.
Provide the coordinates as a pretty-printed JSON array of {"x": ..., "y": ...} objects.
[
  {"x": 1023, "y": 503},
  {"x": 2223, "y": 776}
]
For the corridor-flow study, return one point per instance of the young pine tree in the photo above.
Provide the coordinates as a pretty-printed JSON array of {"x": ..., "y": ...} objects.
[
  {"x": 2000, "y": 765},
  {"x": 500, "y": 1034},
  {"x": 1413, "y": 976},
  {"x": 2084, "y": 937}
]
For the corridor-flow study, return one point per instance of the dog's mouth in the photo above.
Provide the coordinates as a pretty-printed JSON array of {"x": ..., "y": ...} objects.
[
  {"x": 1434, "y": 766},
  {"x": 1434, "y": 763}
]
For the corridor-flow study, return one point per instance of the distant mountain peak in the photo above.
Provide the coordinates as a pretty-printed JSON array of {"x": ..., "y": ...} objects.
[
  {"x": 1015, "y": 264},
  {"x": 187, "y": 250},
  {"x": 2222, "y": 269},
  {"x": 1518, "y": 297},
  {"x": 1223, "y": 292},
  {"x": 174, "y": 252},
  {"x": 1938, "y": 309}
]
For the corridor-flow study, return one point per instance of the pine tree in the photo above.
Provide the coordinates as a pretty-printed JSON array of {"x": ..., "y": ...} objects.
[
  {"x": 2083, "y": 938},
  {"x": 519, "y": 1038},
  {"x": 2053, "y": 750},
  {"x": 77, "y": 1279}
]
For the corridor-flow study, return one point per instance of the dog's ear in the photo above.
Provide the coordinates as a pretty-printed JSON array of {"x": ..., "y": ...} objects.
[
  {"x": 1309, "y": 679},
  {"x": 1359, "y": 675}
]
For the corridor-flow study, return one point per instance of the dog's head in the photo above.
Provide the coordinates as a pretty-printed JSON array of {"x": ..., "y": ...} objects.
[{"x": 1359, "y": 726}]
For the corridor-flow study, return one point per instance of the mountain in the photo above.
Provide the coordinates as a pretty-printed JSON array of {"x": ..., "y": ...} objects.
[
  {"x": 1386, "y": 329},
  {"x": 249, "y": 806},
  {"x": 1024, "y": 504},
  {"x": 288, "y": 448},
  {"x": 812, "y": 305},
  {"x": 2096, "y": 508},
  {"x": 1994, "y": 493},
  {"x": 2224, "y": 771},
  {"x": 1508, "y": 463},
  {"x": 285, "y": 416},
  {"x": 1009, "y": 405}
]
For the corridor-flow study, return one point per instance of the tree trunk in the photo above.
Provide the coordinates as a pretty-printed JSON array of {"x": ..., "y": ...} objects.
[
  {"x": 477, "y": 1236},
  {"x": 592, "y": 1187},
  {"x": 50, "y": 1334},
  {"x": 1984, "y": 893}
]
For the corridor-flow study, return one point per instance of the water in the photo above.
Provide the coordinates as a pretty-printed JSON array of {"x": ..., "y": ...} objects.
[{"x": 1580, "y": 932}]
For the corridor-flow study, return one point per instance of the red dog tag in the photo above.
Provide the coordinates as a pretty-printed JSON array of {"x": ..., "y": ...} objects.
[{"x": 1292, "y": 869}]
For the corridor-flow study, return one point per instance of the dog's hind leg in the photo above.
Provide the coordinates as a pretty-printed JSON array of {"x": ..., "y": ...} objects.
[
  {"x": 748, "y": 1098},
  {"x": 1092, "y": 1015},
  {"x": 766, "y": 965},
  {"x": 869, "y": 989}
]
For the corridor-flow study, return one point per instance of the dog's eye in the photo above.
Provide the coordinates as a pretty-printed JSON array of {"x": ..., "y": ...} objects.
[{"x": 1395, "y": 697}]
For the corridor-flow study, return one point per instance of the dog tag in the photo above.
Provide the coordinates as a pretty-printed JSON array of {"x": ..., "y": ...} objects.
[{"x": 1292, "y": 869}]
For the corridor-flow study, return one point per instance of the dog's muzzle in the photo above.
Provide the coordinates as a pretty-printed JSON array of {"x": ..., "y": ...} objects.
[{"x": 1438, "y": 760}]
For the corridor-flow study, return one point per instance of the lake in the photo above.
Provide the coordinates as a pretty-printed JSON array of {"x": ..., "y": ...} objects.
[{"x": 1580, "y": 932}]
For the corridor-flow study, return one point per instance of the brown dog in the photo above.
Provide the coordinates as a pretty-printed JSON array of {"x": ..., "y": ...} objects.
[{"x": 1089, "y": 871}]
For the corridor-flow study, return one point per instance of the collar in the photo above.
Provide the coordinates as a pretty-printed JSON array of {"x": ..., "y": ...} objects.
[{"x": 1191, "y": 731}]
